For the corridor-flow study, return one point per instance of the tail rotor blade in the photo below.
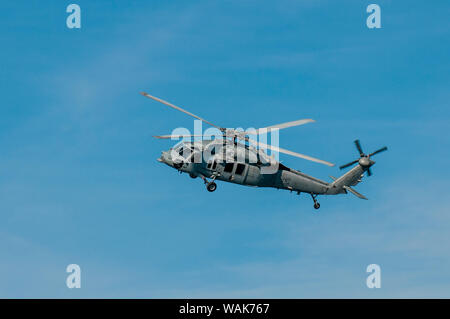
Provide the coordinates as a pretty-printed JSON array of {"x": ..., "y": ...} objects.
[
  {"x": 348, "y": 164},
  {"x": 358, "y": 146},
  {"x": 366, "y": 163},
  {"x": 379, "y": 151}
]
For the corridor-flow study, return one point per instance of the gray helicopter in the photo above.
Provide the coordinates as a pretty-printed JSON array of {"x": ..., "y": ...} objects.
[{"x": 246, "y": 163}]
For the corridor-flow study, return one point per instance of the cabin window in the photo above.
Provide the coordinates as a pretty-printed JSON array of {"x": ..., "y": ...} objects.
[
  {"x": 214, "y": 165},
  {"x": 213, "y": 151},
  {"x": 181, "y": 151},
  {"x": 240, "y": 168},
  {"x": 228, "y": 167},
  {"x": 209, "y": 165}
]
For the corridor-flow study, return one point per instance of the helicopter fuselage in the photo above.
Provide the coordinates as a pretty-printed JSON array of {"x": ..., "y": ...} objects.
[
  {"x": 263, "y": 171},
  {"x": 234, "y": 162}
]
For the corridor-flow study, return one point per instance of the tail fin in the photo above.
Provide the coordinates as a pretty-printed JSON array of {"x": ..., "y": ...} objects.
[
  {"x": 343, "y": 183},
  {"x": 354, "y": 176}
]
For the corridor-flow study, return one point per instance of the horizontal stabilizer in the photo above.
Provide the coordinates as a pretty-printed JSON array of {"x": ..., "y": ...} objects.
[{"x": 351, "y": 190}]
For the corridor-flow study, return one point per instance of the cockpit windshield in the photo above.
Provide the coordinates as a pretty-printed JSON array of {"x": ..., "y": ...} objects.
[{"x": 185, "y": 151}]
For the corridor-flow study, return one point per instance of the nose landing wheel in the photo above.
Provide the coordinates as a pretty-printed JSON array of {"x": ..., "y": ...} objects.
[{"x": 316, "y": 203}]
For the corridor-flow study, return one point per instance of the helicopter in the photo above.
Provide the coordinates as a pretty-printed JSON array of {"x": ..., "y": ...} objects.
[{"x": 236, "y": 158}]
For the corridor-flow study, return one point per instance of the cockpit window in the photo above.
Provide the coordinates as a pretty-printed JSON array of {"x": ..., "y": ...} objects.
[{"x": 185, "y": 150}]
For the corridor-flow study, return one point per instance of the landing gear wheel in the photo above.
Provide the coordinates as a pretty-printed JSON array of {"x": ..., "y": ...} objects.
[
  {"x": 316, "y": 203},
  {"x": 211, "y": 187}
]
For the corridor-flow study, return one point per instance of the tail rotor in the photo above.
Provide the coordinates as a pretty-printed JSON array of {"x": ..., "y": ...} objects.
[{"x": 364, "y": 160}]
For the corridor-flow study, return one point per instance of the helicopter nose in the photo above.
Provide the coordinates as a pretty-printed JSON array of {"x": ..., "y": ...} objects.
[
  {"x": 165, "y": 158},
  {"x": 161, "y": 158}
]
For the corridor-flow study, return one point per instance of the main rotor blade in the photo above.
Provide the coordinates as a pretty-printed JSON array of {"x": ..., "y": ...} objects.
[
  {"x": 179, "y": 109},
  {"x": 283, "y": 125},
  {"x": 175, "y": 136},
  {"x": 281, "y": 150},
  {"x": 358, "y": 146},
  {"x": 348, "y": 164},
  {"x": 379, "y": 151}
]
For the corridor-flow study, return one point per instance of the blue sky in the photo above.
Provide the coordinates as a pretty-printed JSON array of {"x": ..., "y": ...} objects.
[{"x": 79, "y": 180}]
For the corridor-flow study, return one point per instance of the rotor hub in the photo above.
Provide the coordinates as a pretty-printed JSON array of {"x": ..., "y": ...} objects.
[{"x": 365, "y": 161}]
